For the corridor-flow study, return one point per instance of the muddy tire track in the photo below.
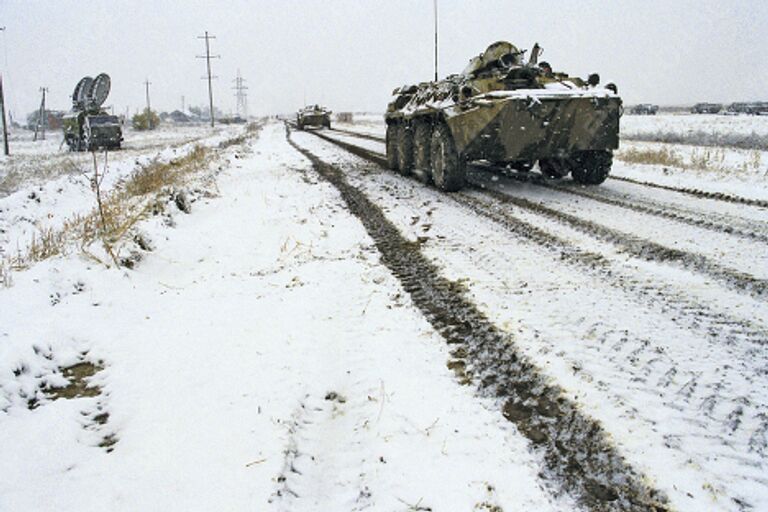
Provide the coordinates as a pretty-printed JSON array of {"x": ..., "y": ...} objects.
[
  {"x": 660, "y": 211},
  {"x": 665, "y": 211},
  {"x": 671, "y": 212},
  {"x": 645, "y": 249},
  {"x": 685, "y": 310},
  {"x": 577, "y": 454},
  {"x": 361, "y": 135},
  {"x": 702, "y": 194}
]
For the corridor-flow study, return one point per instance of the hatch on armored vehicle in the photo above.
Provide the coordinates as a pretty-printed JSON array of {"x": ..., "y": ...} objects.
[
  {"x": 507, "y": 111},
  {"x": 313, "y": 115},
  {"x": 87, "y": 126}
]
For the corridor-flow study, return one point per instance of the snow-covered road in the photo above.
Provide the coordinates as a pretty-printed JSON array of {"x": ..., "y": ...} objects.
[{"x": 269, "y": 353}]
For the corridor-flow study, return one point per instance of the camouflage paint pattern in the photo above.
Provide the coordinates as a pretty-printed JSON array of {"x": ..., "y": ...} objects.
[
  {"x": 503, "y": 109},
  {"x": 527, "y": 129}
]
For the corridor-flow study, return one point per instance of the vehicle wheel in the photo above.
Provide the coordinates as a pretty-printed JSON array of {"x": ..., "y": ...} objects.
[
  {"x": 393, "y": 131},
  {"x": 592, "y": 167},
  {"x": 422, "y": 136},
  {"x": 521, "y": 165},
  {"x": 555, "y": 168},
  {"x": 448, "y": 166},
  {"x": 405, "y": 150},
  {"x": 300, "y": 126}
]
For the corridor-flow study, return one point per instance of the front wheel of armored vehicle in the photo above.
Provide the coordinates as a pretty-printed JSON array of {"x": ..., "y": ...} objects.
[
  {"x": 448, "y": 166},
  {"x": 592, "y": 167},
  {"x": 555, "y": 168},
  {"x": 422, "y": 136},
  {"x": 405, "y": 150},
  {"x": 393, "y": 131}
]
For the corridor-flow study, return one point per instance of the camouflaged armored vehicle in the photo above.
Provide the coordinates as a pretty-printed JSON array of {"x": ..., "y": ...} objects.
[
  {"x": 506, "y": 111},
  {"x": 313, "y": 115},
  {"x": 706, "y": 108},
  {"x": 645, "y": 109},
  {"x": 87, "y": 126}
]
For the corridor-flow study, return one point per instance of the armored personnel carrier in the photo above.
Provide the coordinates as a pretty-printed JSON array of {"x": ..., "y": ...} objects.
[
  {"x": 645, "y": 109},
  {"x": 87, "y": 126},
  {"x": 706, "y": 108},
  {"x": 509, "y": 112},
  {"x": 313, "y": 115}
]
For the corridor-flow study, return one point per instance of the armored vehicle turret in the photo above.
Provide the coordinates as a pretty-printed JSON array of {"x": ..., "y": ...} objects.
[
  {"x": 507, "y": 111},
  {"x": 313, "y": 115},
  {"x": 87, "y": 126}
]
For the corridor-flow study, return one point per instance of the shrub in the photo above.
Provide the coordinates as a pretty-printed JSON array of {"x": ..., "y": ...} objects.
[{"x": 147, "y": 120}]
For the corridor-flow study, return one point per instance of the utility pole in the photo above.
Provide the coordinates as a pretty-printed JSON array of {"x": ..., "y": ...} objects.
[
  {"x": 182, "y": 104},
  {"x": 208, "y": 58},
  {"x": 242, "y": 97},
  {"x": 2, "y": 108},
  {"x": 147, "y": 83},
  {"x": 41, "y": 118},
  {"x": 435, "y": 3}
]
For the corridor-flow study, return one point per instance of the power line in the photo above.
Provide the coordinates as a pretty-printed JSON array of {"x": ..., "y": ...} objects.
[
  {"x": 208, "y": 58},
  {"x": 147, "y": 83},
  {"x": 42, "y": 118},
  {"x": 242, "y": 97}
]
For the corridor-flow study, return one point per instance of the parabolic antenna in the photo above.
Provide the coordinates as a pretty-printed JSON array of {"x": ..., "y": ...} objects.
[
  {"x": 78, "y": 95},
  {"x": 99, "y": 90}
]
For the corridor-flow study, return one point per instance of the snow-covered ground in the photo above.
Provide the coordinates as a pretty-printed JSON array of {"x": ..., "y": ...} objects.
[
  {"x": 42, "y": 185},
  {"x": 691, "y": 123},
  {"x": 262, "y": 356}
]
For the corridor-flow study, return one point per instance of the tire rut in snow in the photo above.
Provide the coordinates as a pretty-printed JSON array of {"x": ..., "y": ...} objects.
[
  {"x": 701, "y": 194},
  {"x": 665, "y": 211},
  {"x": 645, "y": 249},
  {"x": 361, "y": 135},
  {"x": 684, "y": 310},
  {"x": 577, "y": 454}
]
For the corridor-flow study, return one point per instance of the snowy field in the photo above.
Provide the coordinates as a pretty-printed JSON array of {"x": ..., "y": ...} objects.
[
  {"x": 266, "y": 352},
  {"x": 43, "y": 185}
]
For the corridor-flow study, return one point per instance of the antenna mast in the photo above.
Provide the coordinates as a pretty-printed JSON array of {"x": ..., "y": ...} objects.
[{"x": 435, "y": 4}]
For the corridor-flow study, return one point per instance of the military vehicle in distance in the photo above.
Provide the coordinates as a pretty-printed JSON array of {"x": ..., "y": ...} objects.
[
  {"x": 645, "y": 109},
  {"x": 754, "y": 108},
  {"x": 706, "y": 108},
  {"x": 313, "y": 115},
  {"x": 508, "y": 112},
  {"x": 87, "y": 126}
]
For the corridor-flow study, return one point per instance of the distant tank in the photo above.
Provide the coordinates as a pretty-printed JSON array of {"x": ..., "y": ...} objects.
[
  {"x": 313, "y": 115},
  {"x": 87, "y": 126},
  {"x": 509, "y": 112},
  {"x": 706, "y": 108},
  {"x": 645, "y": 109}
]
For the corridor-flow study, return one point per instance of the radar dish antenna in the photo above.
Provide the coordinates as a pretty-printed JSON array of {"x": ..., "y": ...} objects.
[
  {"x": 99, "y": 90},
  {"x": 78, "y": 95}
]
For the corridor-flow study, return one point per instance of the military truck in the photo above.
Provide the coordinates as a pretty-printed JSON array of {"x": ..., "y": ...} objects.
[
  {"x": 645, "y": 109},
  {"x": 313, "y": 115},
  {"x": 706, "y": 108},
  {"x": 506, "y": 111},
  {"x": 87, "y": 126}
]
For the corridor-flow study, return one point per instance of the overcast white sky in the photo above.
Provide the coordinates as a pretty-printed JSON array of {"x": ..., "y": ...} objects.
[{"x": 350, "y": 54}]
